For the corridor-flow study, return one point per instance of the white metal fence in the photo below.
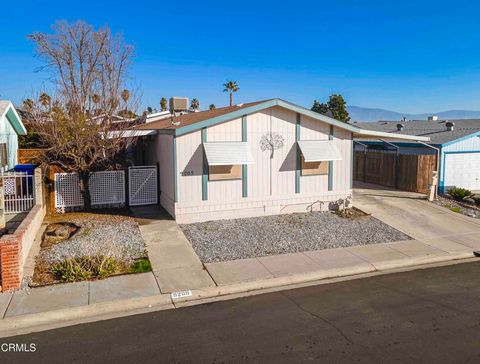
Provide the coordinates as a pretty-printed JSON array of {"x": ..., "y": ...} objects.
[
  {"x": 142, "y": 185},
  {"x": 19, "y": 191},
  {"x": 107, "y": 188}
]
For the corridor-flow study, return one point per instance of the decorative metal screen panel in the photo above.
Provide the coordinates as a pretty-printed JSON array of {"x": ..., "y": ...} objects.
[
  {"x": 67, "y": 190},
  {"x": 142, "y": 185},
  {"x": 107, "y": 188},
  {"x": 19, "y": 192}
]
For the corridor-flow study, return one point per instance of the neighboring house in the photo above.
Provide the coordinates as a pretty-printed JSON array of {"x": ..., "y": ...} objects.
[
  {"x": 261, "y": 158},
  {"x": 457, "y": 140},
  {"x": 11, "y": 127}
]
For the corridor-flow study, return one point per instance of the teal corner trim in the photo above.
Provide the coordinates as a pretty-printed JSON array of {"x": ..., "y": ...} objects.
[
  {"x": 297, "y": 139},
  {"x": 244, "y": 166},
  {"x": 205, "y": 168},
  {"x": 330, "y": 164},
  {"x": 175, "y": 180},
  {"x": 15, "y": 121}
]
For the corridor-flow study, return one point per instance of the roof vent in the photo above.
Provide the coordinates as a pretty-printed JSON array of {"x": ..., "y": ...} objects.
[
  {"x": 450, "y": 126},
  {"x": 399, "y": 127},
  {"x": 433, "y": 118}
]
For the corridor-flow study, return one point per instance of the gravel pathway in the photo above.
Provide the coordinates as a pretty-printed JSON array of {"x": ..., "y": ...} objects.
[
  {"x": 108, "y": 235},
  {"x": 224, "y": 240}
]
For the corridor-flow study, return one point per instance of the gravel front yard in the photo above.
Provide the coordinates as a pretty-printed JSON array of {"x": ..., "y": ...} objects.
[
  {"x": 99, "y": 235},
  {"x": 223, "y": 240}
]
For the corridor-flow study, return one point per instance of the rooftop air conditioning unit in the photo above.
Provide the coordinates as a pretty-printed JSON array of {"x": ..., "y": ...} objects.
[{"x": 178, "y": 104}]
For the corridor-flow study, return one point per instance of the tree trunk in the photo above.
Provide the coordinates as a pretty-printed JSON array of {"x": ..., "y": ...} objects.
[
  {"x": 231, "y": 98},
  {"x": 85, "y": 190}
]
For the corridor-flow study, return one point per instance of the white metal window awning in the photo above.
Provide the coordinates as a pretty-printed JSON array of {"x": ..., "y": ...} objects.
[
  {"x": 319, "y": 150},
  {"x": 228, "y": 153}
]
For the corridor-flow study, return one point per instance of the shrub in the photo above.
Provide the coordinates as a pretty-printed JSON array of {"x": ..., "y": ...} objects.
[
  {"x": 140, "y": 266},
  {"x": 459, "y": 194},
  {"x": 80, "y": 269}
]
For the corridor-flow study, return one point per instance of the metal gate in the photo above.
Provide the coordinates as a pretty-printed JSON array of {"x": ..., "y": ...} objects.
[
  {"x": 142, "y": 185},
  {"x": 19, "y": 192}
]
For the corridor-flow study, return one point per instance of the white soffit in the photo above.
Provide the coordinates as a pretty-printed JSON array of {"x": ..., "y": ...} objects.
[
  {"x": 228, "y": 153},
  {"x": 319, "y": 150}
]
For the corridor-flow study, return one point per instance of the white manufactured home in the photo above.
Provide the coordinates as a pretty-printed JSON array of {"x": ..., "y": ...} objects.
[{"x": 261, "y": 158}]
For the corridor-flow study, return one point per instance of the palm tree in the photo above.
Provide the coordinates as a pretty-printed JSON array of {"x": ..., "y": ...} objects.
[
  {"x": 212, "y": 107},
  {"x": 231, "y": 87},
  {"x": 163, "y": 104},
  {"x": 28, "y": 104},
  {"x": 125, "y": 95},
  {"x": 195, "y": 104},
  {"x": 45, "y": 100}
]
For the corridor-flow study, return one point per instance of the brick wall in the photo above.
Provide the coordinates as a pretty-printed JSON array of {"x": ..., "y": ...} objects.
[{"x": 14, "y": 248}]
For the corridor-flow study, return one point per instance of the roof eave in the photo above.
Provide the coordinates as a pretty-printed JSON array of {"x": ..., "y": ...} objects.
[
  {"x": 15, "y": 120},
  {"x": 385, "y": 135}
]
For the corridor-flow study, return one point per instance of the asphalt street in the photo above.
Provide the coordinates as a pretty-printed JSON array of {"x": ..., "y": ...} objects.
[{"x": 422, "y": 316}]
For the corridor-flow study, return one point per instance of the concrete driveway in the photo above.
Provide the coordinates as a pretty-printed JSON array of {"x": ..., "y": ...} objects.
[{"x": 412, "y": 214}]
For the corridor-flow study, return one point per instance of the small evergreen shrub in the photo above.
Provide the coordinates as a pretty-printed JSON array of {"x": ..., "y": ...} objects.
[
  {"x": 458, "y": 193},
  {"x": 140, "y": 266}
]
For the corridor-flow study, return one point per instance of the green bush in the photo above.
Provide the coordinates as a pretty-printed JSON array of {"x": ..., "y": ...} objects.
[
  {"x": 140, "y": 266},
  {"x": 459, "y": 194},
  {"x": 84, "y": 268},
  {"x": 455, "y": 209}
]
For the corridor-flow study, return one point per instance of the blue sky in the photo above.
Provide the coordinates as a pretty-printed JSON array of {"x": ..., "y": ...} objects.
[{"x": 409, "y": 56}]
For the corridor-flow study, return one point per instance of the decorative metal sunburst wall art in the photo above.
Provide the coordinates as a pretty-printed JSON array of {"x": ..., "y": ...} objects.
[{"x": 272, "y": 142}]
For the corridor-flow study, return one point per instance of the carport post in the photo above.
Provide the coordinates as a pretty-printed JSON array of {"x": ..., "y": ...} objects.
[{"x": 437, "y": 160}]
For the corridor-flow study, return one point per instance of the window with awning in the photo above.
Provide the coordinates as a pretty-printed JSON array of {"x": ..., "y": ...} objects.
[
  {"x": 316, "y": 154},
  {"x": 224, "y": 159}
]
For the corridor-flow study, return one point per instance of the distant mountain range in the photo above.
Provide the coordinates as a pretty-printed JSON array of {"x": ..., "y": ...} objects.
[{"x": 358, "y": 113}]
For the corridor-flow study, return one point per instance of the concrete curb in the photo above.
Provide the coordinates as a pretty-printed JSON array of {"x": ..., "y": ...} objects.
[{"x": 25, "y": 324}]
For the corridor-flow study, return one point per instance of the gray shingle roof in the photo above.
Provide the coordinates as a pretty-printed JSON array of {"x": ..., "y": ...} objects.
[{"x": 436, "y": 130}]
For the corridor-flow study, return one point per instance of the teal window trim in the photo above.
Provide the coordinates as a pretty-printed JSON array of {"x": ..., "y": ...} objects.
[
  {"x": 299, "y": 162},
  {"x": 244, "y": 166},
  {"x": 330, "y": 164},
  {"x": 205, "y": 168},
  {"x": 175, "y": 178}
]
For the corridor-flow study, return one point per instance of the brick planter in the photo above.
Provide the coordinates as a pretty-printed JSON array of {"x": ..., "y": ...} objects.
[{"x": 14, "y": 248}]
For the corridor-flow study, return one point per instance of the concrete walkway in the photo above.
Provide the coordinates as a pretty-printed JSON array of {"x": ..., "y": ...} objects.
[{"x": 175, "y": 265}]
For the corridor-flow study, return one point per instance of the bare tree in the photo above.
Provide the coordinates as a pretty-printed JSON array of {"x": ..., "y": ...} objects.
[{"x": 89, "y": 69}]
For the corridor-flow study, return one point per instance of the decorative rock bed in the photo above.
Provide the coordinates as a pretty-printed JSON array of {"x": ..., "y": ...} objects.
[
  {"x": 77, "y": 236},
  {"x": 224, "y": 240}
]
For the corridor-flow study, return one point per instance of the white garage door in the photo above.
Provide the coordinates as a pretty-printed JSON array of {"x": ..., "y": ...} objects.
[{"x": 462, "y": 170}]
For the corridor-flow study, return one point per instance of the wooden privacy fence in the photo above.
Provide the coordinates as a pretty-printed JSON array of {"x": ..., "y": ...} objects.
[
  {"x": 29, "y": 156},
  {"x": 403, "y": 171}
]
